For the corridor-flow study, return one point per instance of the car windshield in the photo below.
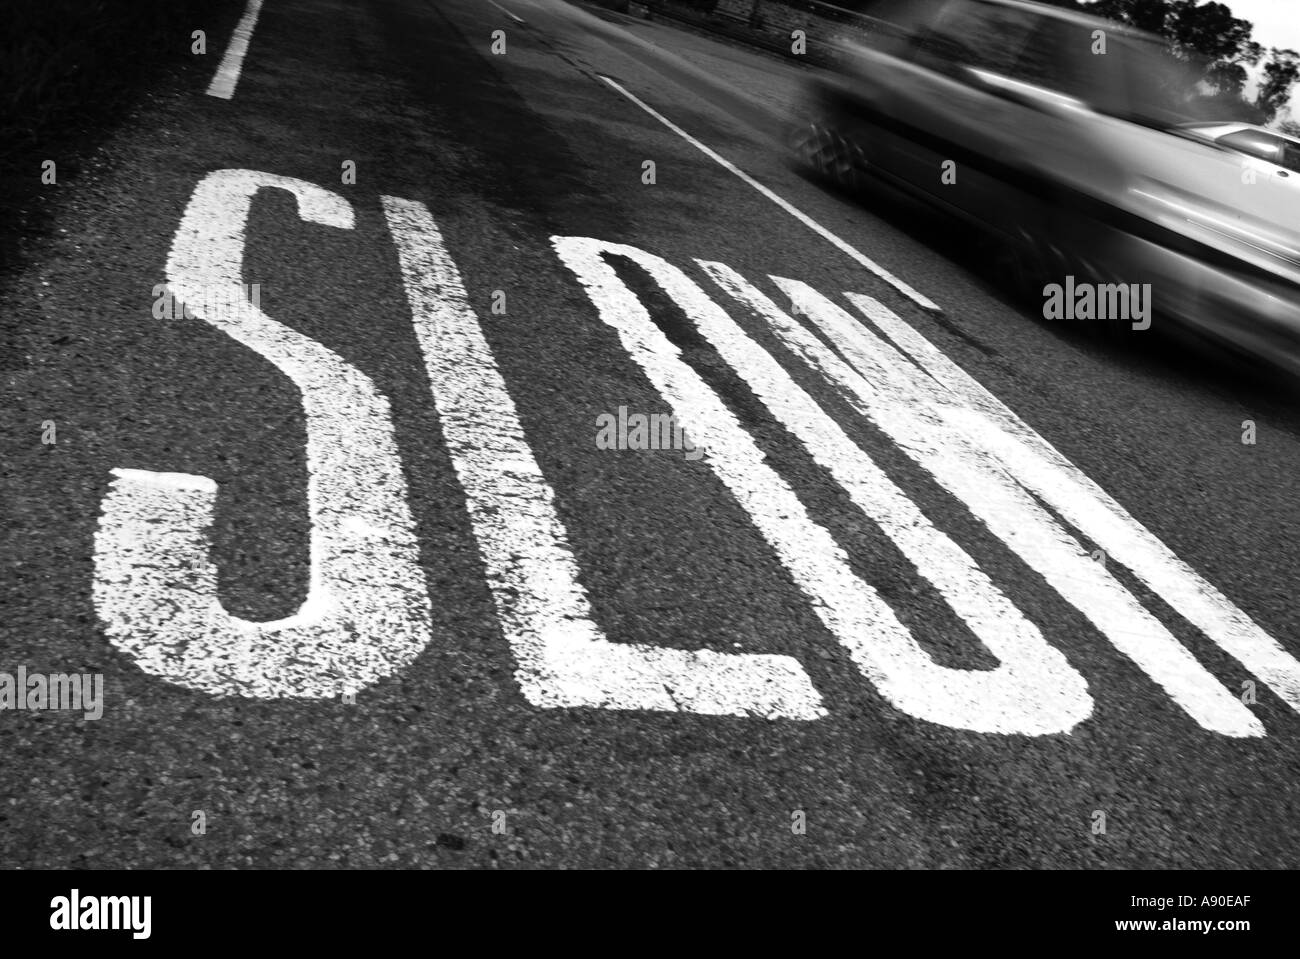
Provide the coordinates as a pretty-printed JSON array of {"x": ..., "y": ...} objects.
[
  {"x": 985, "y": 36},
  {"x": 1121, "y": 74},
  {"x": 1160, "y": 89},
  {"x": 1110, "y": 69},
  {"x": 1291, "y": 156}
]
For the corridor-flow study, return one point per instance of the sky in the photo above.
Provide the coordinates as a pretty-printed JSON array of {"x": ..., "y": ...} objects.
[{"x": 1277, "y": 22}]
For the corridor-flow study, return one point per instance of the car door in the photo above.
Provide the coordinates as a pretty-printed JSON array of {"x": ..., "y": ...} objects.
[
  {"x": 952, "y": 130},
  {"x": 1291, "y": 157}
]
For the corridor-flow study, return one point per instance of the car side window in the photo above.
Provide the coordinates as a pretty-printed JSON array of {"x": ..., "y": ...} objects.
[
  {"x": 1048, "y": 58},
  {"x": 937, "y": 50},
  {"x": 973, "y": 34},
  {"x": 1255, "y": 143},
  {"x": 1291, "y": 156}
]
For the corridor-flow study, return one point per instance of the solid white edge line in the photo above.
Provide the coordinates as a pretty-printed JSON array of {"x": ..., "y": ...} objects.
[
  {"x": 919, "y": 298},
  {"x": 227, "y": 75}
]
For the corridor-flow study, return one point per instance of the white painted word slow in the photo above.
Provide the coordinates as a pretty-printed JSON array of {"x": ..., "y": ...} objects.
[{"x": 367, "y": 615}]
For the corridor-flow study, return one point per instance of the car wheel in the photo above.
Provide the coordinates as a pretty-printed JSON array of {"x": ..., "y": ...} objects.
[
  {"x": 1024, "y": 262},
  {"x": 829, "y": 155},
  {"x": 1097, "y": 272}
]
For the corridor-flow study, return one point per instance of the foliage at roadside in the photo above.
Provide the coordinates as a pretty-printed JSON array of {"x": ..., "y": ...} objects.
[{"x": 1217, "y": 45}]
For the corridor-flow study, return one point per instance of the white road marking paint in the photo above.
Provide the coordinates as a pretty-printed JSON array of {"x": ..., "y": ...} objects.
[
  {"x": 1035, "y": 463},
  {"x": 506, "y": 12},
  {"x": 227, "y": 75},
  {"x": 367, "y": 614},
  {"x": 788, "y": 207},
  {"x": 563, "y": 658},
  {"x": 1034, "y": 690},
  {"x": 900, "y": 400},
  {"x": 367, "y": 611}
]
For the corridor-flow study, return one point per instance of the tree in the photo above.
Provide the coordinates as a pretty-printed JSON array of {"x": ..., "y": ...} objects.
[
  {"x": 1210, "y": 33},
  {"x": 1149, "y": 15},
  {"x": 1280, "y": 73},
  {"x": 1207, "y": 35},
  {"x": 1218, "y": 48}
]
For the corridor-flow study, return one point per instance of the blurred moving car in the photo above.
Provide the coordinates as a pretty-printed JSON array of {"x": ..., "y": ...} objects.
[
  {"x": 1280, "y": 152},
  {"x": 1065, "y": 138}
]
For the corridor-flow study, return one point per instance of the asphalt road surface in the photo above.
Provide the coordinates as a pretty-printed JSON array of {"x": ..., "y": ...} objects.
[{"x": 921, "y": 581}]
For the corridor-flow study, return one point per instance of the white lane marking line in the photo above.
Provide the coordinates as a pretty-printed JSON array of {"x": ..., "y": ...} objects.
[
  {"x": 563, "y": 658},
  {"x": 1033, "y": 691},
  {"x": 506, "y": 12},
  {"x": 882, "y": 385},
  {"x": 918, "y": 298},
  {"x": 367, "y": 612},
  {"x": 227, "y": 75},
  {"x": 1090, "y": 509}
]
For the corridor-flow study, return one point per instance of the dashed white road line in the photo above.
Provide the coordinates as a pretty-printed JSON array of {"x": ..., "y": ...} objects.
[
  {"x": 223, "y": 84},
  {"x": 919, "y": 298},
  {"x": 507, "y": 12}
]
